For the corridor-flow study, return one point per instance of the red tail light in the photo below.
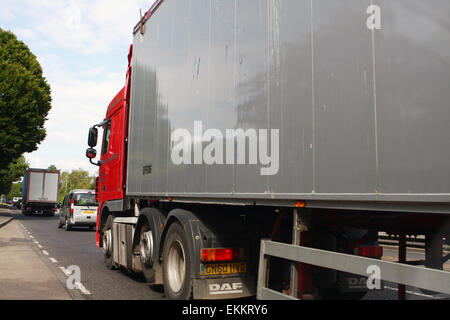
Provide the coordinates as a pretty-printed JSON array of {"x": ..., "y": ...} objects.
[
  {"x": 222, "y": 254},
  {"x": 371, "y": 251},
  {"x": 71, "y": 206}
]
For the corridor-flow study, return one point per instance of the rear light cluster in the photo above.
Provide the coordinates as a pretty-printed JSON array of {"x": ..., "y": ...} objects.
[
  {"x": 370, "y": 251},
  {"x": 221, "y": 254},
  {"x": 71, "y": 206}
]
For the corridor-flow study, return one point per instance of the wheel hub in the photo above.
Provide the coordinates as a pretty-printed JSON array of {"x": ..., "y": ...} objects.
[{"x": 146, "y": 247}]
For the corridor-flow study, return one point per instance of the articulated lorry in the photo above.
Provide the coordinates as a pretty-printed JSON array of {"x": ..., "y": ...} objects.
[
  {"x": 40, "y": 192},
  {"x": 259, "y": 147}
]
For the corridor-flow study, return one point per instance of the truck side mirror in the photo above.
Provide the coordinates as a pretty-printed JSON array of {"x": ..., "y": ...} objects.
[
  {"x": 93, "y": 137},
  {"x": 91, "y": 153}
]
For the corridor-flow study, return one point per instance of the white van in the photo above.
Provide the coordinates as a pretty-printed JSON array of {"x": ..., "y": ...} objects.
[{"x": 78, "y": 209}]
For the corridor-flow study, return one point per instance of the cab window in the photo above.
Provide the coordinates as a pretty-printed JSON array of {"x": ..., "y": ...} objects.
[{"x": 106, "y": 136}]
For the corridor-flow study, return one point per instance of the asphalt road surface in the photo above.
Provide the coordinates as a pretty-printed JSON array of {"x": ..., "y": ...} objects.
[{"x": 77, "y": 248}]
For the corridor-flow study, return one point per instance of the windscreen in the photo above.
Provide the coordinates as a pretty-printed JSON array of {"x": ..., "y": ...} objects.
[{"x": 85, "y": 199}]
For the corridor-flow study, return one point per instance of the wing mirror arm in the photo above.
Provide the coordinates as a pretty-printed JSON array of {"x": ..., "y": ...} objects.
[
  {"x": 94, "y": 163},
  {"x": 101, "y": 124},
  {"x": 91, "y": 153}
]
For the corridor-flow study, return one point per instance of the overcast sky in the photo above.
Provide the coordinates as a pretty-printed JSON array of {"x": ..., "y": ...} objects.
[{"x": 82, "y": 46}]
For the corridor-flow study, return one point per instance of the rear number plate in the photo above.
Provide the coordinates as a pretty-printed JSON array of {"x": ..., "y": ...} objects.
[
  {"x": 88, "y": 212},
  {"x": 222, "y": 268}
]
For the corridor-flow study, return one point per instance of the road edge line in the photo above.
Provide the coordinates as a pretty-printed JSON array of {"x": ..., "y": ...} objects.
[{"x": 4, "y": 223}]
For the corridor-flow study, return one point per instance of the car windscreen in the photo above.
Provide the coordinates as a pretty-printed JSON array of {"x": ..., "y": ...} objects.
[{"x": 85, "y": 199}]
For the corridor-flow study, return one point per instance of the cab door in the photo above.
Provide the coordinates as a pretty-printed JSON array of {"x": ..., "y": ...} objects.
[{"x": 111, "y": 174}]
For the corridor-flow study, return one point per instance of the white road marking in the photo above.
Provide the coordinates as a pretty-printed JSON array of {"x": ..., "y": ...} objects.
[
  {"x": 82, "y": 288},
  {"x": 66, "y": 272},
  {"x": 78, "y": 285}
]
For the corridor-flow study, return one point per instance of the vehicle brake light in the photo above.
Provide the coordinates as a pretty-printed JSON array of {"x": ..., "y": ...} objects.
[
  {"x": 222, "y": 254},
  {"x": 71, "y": 206},
  {"x": 371, "y": 251}
]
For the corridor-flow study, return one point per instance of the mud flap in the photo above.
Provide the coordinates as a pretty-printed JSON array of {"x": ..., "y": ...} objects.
[{"x": 224, "y": 288}]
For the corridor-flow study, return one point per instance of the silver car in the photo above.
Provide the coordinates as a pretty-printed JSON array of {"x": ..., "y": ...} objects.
[{"x": 78, "y": 209}]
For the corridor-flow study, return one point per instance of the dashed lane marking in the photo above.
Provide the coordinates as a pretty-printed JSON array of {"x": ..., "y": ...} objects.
[
  {"x": 65, "y": 271},
  {"x": 78, "y": 285}
]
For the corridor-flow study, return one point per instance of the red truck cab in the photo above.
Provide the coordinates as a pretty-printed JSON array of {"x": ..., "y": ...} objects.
[{"x": 110, "y": 184}]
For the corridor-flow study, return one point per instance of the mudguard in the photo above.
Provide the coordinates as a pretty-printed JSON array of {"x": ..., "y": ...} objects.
[{"x": 195, "y": 231}]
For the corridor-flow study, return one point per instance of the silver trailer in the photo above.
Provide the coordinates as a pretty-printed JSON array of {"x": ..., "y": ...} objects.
[
  {"x": 361, "y": 106},
  {"x": 243, "y": 113}
]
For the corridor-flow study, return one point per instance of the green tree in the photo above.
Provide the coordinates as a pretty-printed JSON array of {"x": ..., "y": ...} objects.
[
  {"x": 16, "y": 191},
  {"x": 77, "y": 179},
  {"x": 25, "y": 99},
  {"x": 13, "y": 173}
]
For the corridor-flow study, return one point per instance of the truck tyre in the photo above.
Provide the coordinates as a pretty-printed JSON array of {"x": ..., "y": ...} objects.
[
  {"x": 177, "y": 273},
  {"x": 107, "y": 240},
  {"x": 146, "y": 248}
]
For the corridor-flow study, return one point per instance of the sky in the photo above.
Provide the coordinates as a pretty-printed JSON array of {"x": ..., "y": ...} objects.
[{"x": 82, "y": 46}]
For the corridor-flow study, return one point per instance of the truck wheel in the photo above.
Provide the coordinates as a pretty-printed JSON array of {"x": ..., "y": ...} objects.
[
  {"x": 107, "y": 240},
  {"x": 146, "y": 248},
  {"x": 177, "y": 274}
]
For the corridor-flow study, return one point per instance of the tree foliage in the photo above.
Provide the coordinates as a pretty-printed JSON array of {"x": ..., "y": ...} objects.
[
  {"x": 13, "y": 173},
  {"x": 16, "y": 191},
  {"x": 77, "y": 179},
  {"x": 25, "y": 99}
]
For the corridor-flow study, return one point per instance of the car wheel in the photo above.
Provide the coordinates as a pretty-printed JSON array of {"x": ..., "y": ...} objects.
[
  {"x": 60, "y": 224},
  {"x": 68, "y": 225}
]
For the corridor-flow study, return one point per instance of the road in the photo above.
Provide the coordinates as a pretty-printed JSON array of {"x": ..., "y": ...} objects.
[{"x": 77, "y": 248}]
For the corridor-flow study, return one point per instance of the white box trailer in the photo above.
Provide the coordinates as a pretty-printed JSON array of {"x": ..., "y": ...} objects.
[{"x": 40, "y": 191}]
